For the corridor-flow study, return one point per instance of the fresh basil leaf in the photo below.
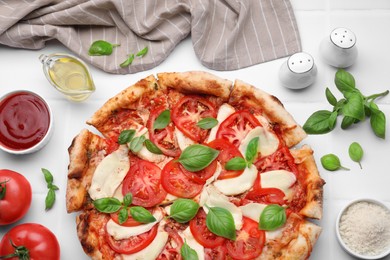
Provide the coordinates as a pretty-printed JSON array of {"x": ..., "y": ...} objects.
[
  {"x": 332, "y": 120},
  {"x": 347, "y": 122},
  {"x": 50, "y": 199},
  {"x": 52, "y": 186},
  {"x": 162, "y": 120},
  {"x": 137, "y": 143},
  {"x": 344, "y": 81},
  {"x": 252, "y": 150},
  {"x": 3, "y": 189},
  {"x": 339, "y": 105},
  {"x": 123, "y": 215},
  {"x": 126, "y": 136},
  {"x": 197, "y": 157},
  {"x": 272, "y": 217},
  {"x": 107, "y": 205},
  {"x": 100, "y": 48},
  {"x": 330, "y": 97},
  {"x": 183, "y": 210},
  {"x": 128, "y": 61},
  {"x": 207, "y": 123},
  {"x": 142, "y": 52},
  {"x": 354, "y": 107},
  {"x": 141, "y": 214},
  {"x": 331, "y": 162},
  {"x": 318, "y": 123},
  {"x": 355, "y": 152},
  {"x": 378, "y": 123},
  {"x": 128, "y": 199},
  {"x": 187, "y": 253},
  {"x": 220, "y": 222},
  {"x": 152, "y": 147},
  {"x": 48, "y": 176},
  {"x": 236, "y": 164}
]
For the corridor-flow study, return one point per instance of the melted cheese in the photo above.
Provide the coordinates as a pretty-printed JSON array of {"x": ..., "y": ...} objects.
[
  {"x": 191, "y": 242},
  {"x": 268, "y": 141},
  {"x": 211, "y": 197},
  {"x": 239, "y": 184},
  {"x": 253, "y": 210},
  {"x": 109, "y": 174},
  {"x": 183, "y": 140},
  {"x": 121, "y": 232},
  {"x": 280, "y": 179},
  {"x": 224, "y": 112},
  {"x": 144, "y": 153}
]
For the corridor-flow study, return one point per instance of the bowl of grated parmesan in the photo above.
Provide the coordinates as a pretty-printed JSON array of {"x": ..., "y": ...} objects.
[{"x": 363, "y": 229}]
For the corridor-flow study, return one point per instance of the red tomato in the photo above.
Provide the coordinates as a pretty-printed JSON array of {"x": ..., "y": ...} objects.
[
  {"x": 17, "y": 196},
  {"x": 236, "y": 126},
  {"x": 176, "y": 182},
  {"x": 143, "y": 181},
  {"x": 227, "y": 151},
  {"x": 163, "y": 138},
  {"x": 218, "y": 253},
  {"x": 201, "y": 176},
  {"x": 249, "y": 243},
  {"x": 133, "y": 244},
  {"x": 202, "y": 234},
  {"x": 40, "y": 242},
  {"x": 279, "y": 160},
  {"x": 267, "y": 196},
  {"x": 188, "y": 112},
  {"x": 171, "y": 250},
  {"x": 112, "y": 145}
]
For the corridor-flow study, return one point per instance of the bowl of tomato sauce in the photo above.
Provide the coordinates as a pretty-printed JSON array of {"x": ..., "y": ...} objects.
[{"x": 26, "y": 122}]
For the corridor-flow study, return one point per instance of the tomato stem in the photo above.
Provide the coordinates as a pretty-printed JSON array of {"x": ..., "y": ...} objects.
[
  {"x": 21, "y": 252},
  {"x": 3, "y": 188}
]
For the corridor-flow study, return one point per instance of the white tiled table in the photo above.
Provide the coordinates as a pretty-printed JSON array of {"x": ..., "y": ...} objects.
[{"x": 370, "y": 20}]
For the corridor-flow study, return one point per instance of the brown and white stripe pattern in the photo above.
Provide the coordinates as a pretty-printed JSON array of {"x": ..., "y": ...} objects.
[{"x": 226, "y": 34}]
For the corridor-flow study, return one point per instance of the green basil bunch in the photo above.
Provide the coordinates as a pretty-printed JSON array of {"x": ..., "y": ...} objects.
[{"x": 354, "y": 107}]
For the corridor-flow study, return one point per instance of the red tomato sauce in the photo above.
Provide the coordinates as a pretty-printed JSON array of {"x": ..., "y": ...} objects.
[{"x": 24, "y": 120}]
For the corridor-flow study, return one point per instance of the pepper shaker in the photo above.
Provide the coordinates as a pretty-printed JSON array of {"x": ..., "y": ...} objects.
[
  {"x": 298, "y": 72},
  {"x": 339, "y": 48}
]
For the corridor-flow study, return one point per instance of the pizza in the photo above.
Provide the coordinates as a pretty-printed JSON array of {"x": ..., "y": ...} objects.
[{"x": 192, "y": 166}]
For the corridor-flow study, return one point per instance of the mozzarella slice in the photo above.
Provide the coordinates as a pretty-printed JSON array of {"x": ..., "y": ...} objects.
[
  {"x": 183, "y": 140},
  {"x": 211, "y": 197},
  {"x": 280, "y": 179},
  {"x": 268, "y": 141},
  {"x": 109, "y": 174},
  {"x": 253, "y": 210},
  {"x": 191, "y": 242},
  {"x": 118, "y": 193},
  {"x": 119, "y": 232},
  {"x": 224, "y": 112},
  {"x": 152, "y": 251},
  {"x": 239, "y": 184},
  {"x": 144, "y": 153}
]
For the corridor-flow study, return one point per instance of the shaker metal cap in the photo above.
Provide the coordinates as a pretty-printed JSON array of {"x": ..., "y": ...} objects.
[
  {"x": 300, "y": 62},
  {"x": 343, "y": 38}
]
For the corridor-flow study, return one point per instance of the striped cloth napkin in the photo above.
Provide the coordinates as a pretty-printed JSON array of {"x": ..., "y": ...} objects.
[{"x": 226, "y": 34}]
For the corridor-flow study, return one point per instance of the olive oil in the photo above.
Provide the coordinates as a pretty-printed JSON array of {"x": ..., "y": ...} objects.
[{"x": 69, "y": 75}]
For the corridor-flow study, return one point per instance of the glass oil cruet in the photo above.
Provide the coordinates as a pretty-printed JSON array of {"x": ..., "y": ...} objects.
[{"x": 69, "y": 75}]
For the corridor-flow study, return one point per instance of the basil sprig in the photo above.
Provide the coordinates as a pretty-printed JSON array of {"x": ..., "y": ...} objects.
[
  {"x": 272, "y": 217},
  {"x": 142, "y": 52},
  {"x": 51, "y": 195},
  {"x": 355, "y": 152},
  {"x": 197, "y": 157},
  {"x": 141, "y": 214},
  {"x": 107, "y": 205},
  {"x": 207, "y": 123},
  {"x": 183, "y": 210},
  {"x": 3, "y": 189},
  {"x": 126, "y": 136},
  {"x": 187, "y": 253},
  {"x": 239, "y": 163},
  {"x": 100, "y": 48},
  {"x": 130, "y": 57},
  {"x": 162, "y": 120},
  {"x": 354, "y": 108},
  {"x": 220, "y": 222},
  {"x": 137, "y": 143}
]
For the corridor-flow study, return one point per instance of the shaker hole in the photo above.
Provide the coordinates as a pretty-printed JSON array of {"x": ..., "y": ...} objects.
[{"x": 300, "y": 61}]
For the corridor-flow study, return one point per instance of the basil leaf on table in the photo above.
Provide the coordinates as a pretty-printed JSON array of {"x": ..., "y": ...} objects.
[
  {"x": 207, "y": 123},
  {"x": 332, "y": 120},
  {"x": 197, "y": 157},
  {"x": 128, "y": 61},
  {"x": 377, "y": 121},
  {"x": 252, "y": 150},
  {"x": 123, "y": 215},
  {"x": 344, "y": 81},
  {"x": 183, "y": 210},
  {"x": 152, "y": 147},
  {"x": 126, "y": 136},
  {"x": 47, "y": 175},
  {"x": 141, "y": 214},
  {"x": 100, "y": 48},
  {"x": 236, "y": 164},
  {"x": 51, "y": 195},
  {"x": 272, "y": 217},
  {"x": 330, "y": 97},
  {"x": 50, "y": 199},
  {"x": 347, "y": 122},
  {"x": 187, "y": 253},
  {"x": 107, "y": 205},
  {"x": 355, "y": 152},
  {"x": 318, "y": 122},
  {"x": 220, "y": 222},
  {"x": 354, "y": 107},
  {"x": 331, "y": 162},
  {"x": 142, "y": 52},
  {"x": 137, "y": 143},
  {"x": 162, "y": 120}
]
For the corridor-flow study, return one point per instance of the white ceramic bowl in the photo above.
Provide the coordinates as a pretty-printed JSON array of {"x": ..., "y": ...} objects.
[
  {"x": 339, "y": 236},
  {"x": 46, "y": 137}
]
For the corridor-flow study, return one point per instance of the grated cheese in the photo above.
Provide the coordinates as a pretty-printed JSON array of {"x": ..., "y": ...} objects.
[{"x": 365, "y": 228}]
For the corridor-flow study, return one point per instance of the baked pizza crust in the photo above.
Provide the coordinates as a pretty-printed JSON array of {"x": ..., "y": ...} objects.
[
  {"x": 196, "y": 82},
  {"x": 273, "y": 110}
]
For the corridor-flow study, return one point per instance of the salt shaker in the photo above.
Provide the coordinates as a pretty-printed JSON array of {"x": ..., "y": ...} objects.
[
  {"x": 339, "y": 48},
  {"x": 298, "y": 72}
]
